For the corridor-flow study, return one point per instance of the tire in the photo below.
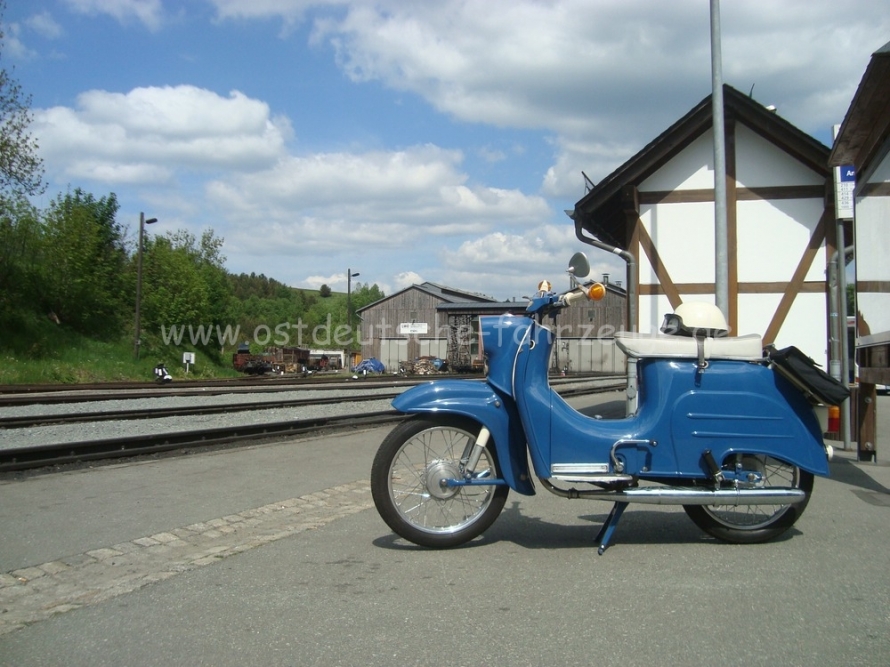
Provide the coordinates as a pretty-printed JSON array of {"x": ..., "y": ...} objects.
[
  {"x": 751, "y": 524},
  {"x": 404, "y": 483}
]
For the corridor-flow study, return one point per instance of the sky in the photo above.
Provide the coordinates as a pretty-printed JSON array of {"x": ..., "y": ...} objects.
[{"x": 401, "y": 141}]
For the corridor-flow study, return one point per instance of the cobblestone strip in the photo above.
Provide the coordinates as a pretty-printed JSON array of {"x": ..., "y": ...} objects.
[{"x": 32, "y": 594}]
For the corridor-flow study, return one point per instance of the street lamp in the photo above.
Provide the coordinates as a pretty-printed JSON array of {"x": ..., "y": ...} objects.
[
  {"x": 142, "y": 223},
  {"x": 349, "y": 276}
]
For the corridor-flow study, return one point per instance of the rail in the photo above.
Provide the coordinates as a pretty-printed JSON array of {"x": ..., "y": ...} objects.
[
  {"x": 41, "y": 456},
  {"x": 23, "y": 458}
]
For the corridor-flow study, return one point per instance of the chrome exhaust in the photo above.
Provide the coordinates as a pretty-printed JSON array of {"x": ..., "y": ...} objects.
[
  {"x": 681, "y": 495},
  {"x": 654, "y": 495}
]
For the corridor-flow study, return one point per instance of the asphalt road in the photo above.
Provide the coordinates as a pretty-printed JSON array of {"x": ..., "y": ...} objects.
[{"x": 273, "y": 555}]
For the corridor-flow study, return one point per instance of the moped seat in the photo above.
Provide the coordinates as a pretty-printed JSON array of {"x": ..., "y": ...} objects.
[{"x": 736, "y": 348}]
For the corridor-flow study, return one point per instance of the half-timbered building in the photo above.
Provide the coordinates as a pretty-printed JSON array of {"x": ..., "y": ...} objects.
[
  {"x": 659, "y": 207},
  {"x": 863, "y": 144}
]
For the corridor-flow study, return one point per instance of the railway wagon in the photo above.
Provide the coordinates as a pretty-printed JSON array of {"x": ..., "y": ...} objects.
[
  {"x": 288, "y": 359},
  {"x": 253, "y": 364},
  {"x": 326, "y": 360},
  {"x": 270, "y": 360}
]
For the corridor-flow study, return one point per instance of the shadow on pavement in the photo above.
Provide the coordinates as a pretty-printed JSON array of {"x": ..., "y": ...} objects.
[
  {"x": 637, "y": 526},
  {"x": 848, "y": 472}
]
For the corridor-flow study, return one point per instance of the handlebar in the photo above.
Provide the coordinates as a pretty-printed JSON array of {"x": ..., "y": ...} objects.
[
  {"x": 591, "y": 292},
  {"x": 574, "y": 297},
  {"x": 547, "y": 302}
]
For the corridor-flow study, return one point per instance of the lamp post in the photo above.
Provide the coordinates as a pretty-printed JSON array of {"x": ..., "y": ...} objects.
[
  {"x": 349, "y": 276},
  {"x": 142, "y": 223}
]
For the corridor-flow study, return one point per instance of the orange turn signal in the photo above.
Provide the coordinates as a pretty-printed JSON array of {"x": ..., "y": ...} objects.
[{"x": 596, "y": 291}]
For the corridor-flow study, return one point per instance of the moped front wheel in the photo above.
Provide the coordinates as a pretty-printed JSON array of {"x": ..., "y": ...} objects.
[
  {"x": 751, "y": 524},
  {"x": 408, "y": 482}
]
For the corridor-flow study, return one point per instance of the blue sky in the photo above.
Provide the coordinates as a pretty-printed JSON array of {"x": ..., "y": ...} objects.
[{"x": 408, "y": 141}]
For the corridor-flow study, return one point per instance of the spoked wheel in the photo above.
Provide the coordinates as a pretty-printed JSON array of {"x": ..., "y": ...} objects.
[
  {"x": 749, "y": 524},
  {"x": 408, "y": 483}
]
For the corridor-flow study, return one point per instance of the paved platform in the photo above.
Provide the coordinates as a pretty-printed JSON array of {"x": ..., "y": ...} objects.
[{"x": 272, "y": 555}]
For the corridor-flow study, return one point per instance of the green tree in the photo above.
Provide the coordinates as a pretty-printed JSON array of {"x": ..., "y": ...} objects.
[
  {"x": 21, "y": 169},
  {"x": 211, "y": 268},
  {"x": 82, "y": 260},
  {"x": 184, "y": 284},
  {"x": 364, "y": 294},
  {"x": 20, "y": 234}
]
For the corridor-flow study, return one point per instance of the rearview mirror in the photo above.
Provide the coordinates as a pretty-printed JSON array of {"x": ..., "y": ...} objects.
[{"x": 579, "y": 266}]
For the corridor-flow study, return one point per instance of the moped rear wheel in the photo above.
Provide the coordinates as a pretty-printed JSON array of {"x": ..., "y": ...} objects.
[
  {"x": 408, "y": 489},
  {"x": 751, "y": 524}
]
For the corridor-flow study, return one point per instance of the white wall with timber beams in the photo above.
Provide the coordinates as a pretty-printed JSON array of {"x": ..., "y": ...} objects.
[{"x": 772, "y": 238}]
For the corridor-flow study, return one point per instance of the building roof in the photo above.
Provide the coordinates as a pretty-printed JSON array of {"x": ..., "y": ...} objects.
[
  {"x": 506, "y": 306},
  {"x": 443, "y": 293},
  {"x": 866, "y": 127},
  {"x": 600, "y": 211}
]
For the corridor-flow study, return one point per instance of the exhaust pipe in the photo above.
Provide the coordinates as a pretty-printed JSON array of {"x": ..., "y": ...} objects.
[
  {"x": 654, "y": 495},
  {"x": 677, "y": 495}
]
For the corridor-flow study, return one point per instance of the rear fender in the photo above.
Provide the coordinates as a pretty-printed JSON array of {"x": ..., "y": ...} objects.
[{"x": 481, "y": 403}]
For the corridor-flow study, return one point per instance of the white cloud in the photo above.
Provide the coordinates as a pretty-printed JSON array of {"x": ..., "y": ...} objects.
[
  {"x": 605, "y": 74},
  {"x": 150, "y": 133},
  {"x": 148, "y": 12},
  {"x": 608, "y": 74},
  {"x": 406, "y": 279},
  {"x": 515, "y": 262},
  {"x": 13, "y": 44},
  {"x": 372, "y": 198},
  {"x": 44, "y": 25}
]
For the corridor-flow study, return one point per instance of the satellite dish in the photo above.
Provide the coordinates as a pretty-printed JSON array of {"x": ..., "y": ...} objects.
[{"x": 579, "y": 266}]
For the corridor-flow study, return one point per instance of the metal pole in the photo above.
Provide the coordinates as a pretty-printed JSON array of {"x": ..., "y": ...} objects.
[
  {"x": 835, "y": 327},
  {"x": 138, "y": 282},
  {"x": 631, "y": 296},
  {"x": 843, "y": 351},
  {"x": 721, "y": 242},
  {"x": 142, "y": 223},
  {"x": 349, "y": 276},
  {"x": 842, "y": 321}
]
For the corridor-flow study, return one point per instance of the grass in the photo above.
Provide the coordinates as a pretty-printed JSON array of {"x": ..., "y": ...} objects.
[{"x": 36, "y": 352}]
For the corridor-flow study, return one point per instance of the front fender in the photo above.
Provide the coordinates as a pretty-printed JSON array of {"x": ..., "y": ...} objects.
[{"x": 480, "y": 402}]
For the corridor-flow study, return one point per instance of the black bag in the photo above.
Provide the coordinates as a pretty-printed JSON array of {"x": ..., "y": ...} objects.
[{"x": 807, "y": 376}]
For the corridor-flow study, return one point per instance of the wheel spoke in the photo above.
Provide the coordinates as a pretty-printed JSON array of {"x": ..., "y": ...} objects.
[
  {"x": 751, "y": 517},
  {"x": 409, "y": 483}
]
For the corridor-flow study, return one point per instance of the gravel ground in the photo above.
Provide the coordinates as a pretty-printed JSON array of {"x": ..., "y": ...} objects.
[
  {"x": 173, "y": 401},
  {"x": 100, "y": 430}
]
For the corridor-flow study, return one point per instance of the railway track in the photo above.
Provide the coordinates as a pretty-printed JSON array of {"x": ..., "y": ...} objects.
[
  {"x": 188, "y": 411},
  {"x": 42, "y": 456},
  {"x": 81, "y": 394},
  {"x": 48, "y": 419},
  {"x": 317, "y": 380}
]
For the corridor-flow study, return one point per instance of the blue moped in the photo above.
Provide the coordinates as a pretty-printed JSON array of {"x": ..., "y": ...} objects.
[{"x": 716, "y": 429}]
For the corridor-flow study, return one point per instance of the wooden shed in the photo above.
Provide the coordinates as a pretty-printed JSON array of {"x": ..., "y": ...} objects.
[
  {"x": 436, "y": 321},
  {"x": 863, "y": 143},
  {"x": 408, "y": 325},
  {"x": 659, "y": 207}
]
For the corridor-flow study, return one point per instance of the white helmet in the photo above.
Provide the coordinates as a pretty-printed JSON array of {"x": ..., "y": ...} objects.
[{"x": 697, "y": 319}]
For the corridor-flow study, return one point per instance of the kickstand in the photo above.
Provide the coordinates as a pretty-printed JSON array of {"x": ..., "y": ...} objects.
[{"x": 605, "y": 534}]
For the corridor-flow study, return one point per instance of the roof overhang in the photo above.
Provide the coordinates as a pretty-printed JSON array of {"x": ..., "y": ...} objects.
[
  {"x": 865, "y": 131},
  {"x": 601, "y": 212}
]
